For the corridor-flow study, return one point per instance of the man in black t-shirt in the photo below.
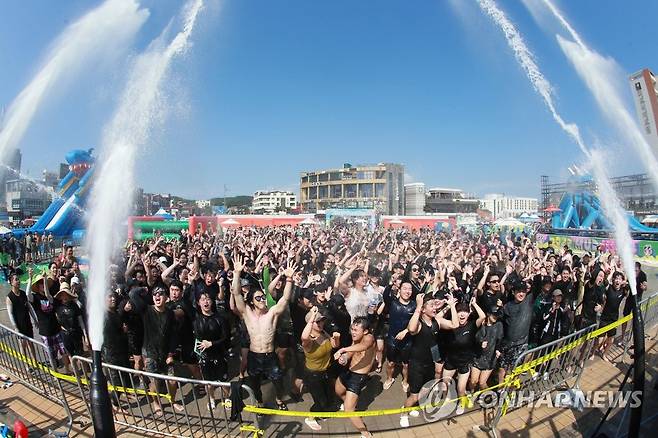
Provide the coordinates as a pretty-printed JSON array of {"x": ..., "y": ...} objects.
[
  {"x": 641, "y": 287},
  {"x": 424, "y": 328},
  {"x": 517, "y": 319},
  {"x": 614, "y": 295}
]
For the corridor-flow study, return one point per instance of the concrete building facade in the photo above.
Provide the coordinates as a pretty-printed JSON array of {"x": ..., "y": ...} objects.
[
  {"x": 379, "y": 187},
  {"x": 414, "y": 199},
  {"x": 502, "y": 206},
  {"x": 25, "y": 199},
  {"x": 273, "y": 201}
]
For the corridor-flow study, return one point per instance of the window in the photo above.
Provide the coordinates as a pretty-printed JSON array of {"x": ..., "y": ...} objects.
[
  {"x": 365, "y": 191},
  {"x": 350, "y": 190},
  {"x": 335, "y": 176},
  {"x": 304, "y": 179},
  {"x": 336, "y": 191},
  {"x": 323, "y": 177},
  {"x": 323, "y": 192},
  {"x": 313, "y": 193},
  {"x": 312, "y": 178},
  {"x": 380, "y": 189},
  {"x": 367, "y": 174}
]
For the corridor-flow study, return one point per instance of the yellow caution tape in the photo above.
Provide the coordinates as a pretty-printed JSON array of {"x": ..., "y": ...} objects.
[
  {"x": 72, "y": 379},
  {"x": 512, "y": 380}
]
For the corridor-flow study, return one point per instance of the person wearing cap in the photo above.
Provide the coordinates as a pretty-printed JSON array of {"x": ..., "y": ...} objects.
[
  {"x": 488, "y": 338},
  {"x": 69, "y": 315},
  {"x": 317, "y": 347},
  {"x": 555, "y": 319},
  {"x": 160, "y": 339},
  {"x": 43, "y": 304},
  {"x": 423, "y": 328}
]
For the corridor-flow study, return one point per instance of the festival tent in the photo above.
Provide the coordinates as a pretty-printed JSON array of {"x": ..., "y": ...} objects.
[
  {"x": 163, "y": 214},
  {"x": 508, "y": 222},
  {"x": 4, "y": 230},
  {"x": 308, "y": 221},
  {"x": 229, "y": 222}
]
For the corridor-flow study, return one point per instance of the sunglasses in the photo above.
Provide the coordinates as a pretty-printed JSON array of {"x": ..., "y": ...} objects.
[
  {"x": 415, "y": 269},
  {"x": 260, "y": 298},
  {"x": 494, "y": 281}
]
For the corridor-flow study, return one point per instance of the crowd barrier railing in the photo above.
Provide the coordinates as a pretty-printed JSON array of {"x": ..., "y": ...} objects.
[
  {"x": 559, "y": 364},
  {"x": 30, "y": 362},
  {"x": 143, "y": 401}
]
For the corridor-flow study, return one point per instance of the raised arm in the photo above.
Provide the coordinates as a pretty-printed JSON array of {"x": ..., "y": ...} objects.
[
  {"x": 414, "y": 323},
  {"x": 236, "y": 289},
  {"x": 480, "y": 312},
  {"x": 280, "y": 306},
  {"x": 454, "y": 320}
]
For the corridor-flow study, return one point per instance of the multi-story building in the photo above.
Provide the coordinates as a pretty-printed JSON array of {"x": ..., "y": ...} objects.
[
  {"x": 414, "y": 199},
  {"x": 273, "y": 202},
  {"x": 379, "y": 187},
  {"x": 645, "y": 93},
  {"x": 445, "y": 200},
  {"x": 25, "y": 199},
  {"x": 10, "y": 169},
  {"x": 502, "y": 206},
  {"x": 203, "y": 203}
]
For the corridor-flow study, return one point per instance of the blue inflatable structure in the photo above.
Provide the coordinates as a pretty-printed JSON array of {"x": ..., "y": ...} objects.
[
  {"x": 65, "y": 215},
  {"x": 582, "y": 210}
]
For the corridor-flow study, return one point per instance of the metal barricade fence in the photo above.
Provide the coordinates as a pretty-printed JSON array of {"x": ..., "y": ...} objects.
[
  {"x": 649, "y": 316},
  {"x": 544, "y": 369},
  {"x": 143, "y": 401},
  {"x": 30, "y": 361}
]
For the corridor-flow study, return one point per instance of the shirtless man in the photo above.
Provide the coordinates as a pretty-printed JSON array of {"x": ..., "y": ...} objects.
[
  {"x": 360, "y": 356},
  {"x": 262, "y": 361}
]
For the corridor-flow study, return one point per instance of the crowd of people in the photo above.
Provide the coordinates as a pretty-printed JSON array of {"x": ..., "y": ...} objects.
[{"x": 319, "y": 311}]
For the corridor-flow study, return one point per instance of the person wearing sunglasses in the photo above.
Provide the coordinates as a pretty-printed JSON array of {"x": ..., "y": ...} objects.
[{"x": 262, "y": 361}]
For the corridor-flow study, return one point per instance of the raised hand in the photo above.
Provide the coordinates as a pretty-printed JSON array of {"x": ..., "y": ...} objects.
[
  {"x": 238, "y": 263},
  {"x": 290, "y": 270}
]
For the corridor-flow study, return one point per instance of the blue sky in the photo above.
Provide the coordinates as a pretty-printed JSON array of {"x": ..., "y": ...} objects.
[{"x": 272, "y": 88}]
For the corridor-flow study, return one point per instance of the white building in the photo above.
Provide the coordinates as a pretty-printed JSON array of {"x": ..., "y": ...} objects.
[
  {"x": 203, "y": 203},
  {"x": 272, "y": 202},
  {"x": 414, "y": 199},
  {"x": 502, "y": 206}
]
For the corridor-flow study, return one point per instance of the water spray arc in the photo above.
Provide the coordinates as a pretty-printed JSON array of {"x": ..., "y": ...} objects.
[
  {"x": 112, "y": 24},
  {"x": 140, "y": 107},
  {"x": 591, "y": 67},
  {"x": 597, "y": 72},
  {"x": 541, "y": 85}
]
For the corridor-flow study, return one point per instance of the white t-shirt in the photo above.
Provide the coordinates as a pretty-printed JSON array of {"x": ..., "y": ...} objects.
[
  {"x": 356, "y": 303},
  {"x": 375, "y": 297}
]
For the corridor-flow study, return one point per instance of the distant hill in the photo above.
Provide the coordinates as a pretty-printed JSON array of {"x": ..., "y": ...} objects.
[{"x": 232, "y": 201}]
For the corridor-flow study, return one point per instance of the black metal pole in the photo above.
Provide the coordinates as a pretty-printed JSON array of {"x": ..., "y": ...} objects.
[
  {"x": 638, "y": 368},
  {"x": 101, "y": 407}
]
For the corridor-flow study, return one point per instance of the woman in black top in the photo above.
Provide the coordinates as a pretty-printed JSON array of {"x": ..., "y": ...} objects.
[
  {"x": 461, "y": 347},
  {"x": 488, "y": 348},
  {"x": 20, "y": 312}
]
